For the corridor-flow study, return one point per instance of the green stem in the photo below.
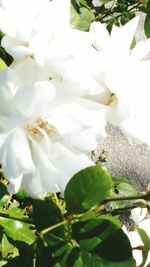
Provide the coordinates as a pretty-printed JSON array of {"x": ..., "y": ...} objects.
[
  {"x": 25, "y": 220},
  {"x": 68, "y": 221},
  {"x": 117, "y": 211},
  {"x": 133, "y": 8},
  {"x": 45, "y": 231},
  {"x": 111, "y": 199},
  {"x": 108, "y": 12},
  {"x": 77, "y": 216}
]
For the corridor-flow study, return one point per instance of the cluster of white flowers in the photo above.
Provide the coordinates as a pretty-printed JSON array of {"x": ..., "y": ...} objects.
[{"x": 62, "y": 88}]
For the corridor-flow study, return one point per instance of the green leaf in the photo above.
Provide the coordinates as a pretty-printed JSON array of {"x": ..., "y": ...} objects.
[
  {"x": 45, "y": 214},
  {"x": 3, "y": 65},
  {"x": 121, "y": 251},
  {"x": 84, "y": 3},
  {"x": 4, "y": 195},
  {"x": 129, "y": 263},
  {"x": 144, "y": 3},
  {"x": 91, "y": 260},
  {"x": 122, "y": 187},
  {"x": 105, "y": 1},
  {"x": 15, "y": 211},
  {"x": 6, "y": 248},
  {"x": 147, "y": 25},
  {"x": 145, "y": 238},
  {"x": 43, "y": 255},
  {"x": 126, "y": 189},
  {"x": 21, "y": 261},
  {"x": 82, "y": 20},
  {"x": 87, "y": 188},
  {"x": 18, "y": 230},
  {"x": 98, "y": 237},
  {"x": 57, "y": 265},
  {"x": 21, "y": 194},
  {"x": 74, "y": 258}
]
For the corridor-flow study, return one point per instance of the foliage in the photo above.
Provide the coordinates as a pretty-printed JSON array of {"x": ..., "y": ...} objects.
[
  {"x": 81, "y": 228},
  {"x": 110, "y": 12},
  {"x": 76, "y": 229}
]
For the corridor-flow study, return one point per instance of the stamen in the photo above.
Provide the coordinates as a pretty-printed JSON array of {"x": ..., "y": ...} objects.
[{"x": 37, "y": 129}]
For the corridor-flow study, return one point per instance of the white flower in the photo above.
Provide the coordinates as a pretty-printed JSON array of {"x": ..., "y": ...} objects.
[
  {"x": 40, "y": 29},
  {"x": 44, "y": 132},
  {"x": 141, "y": 219},
  {"x": 29, "y": 19},
  {"x": 123, "y": 74}
]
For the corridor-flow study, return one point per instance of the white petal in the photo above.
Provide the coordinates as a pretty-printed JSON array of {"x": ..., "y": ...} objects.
[
  {"x": 86, "y": 140},
  {"x": 37, "y": 98},
  {"x": 17, "y": 49},
  {"x": 28, "y": 68},
  {"x": 68, "y": 163},
  {"x": 137, "y": 130},
  {"x": 138, "y": 214},
  {"x": 141, "y": 50},
  {"x": 14, "y": 185},
  {"x": 15, "y": 155},
  {"x": 121, "y": 37},
  {"x": 8, "y": 87},
  {"x": 44, "y": 178},
  {"x": 101, "y": 36}
]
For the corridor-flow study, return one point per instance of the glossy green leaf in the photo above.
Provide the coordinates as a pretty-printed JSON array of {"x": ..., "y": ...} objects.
[
  {"x": 74, "y": 258},
  {"x": 129, "y": 263},
  {"x": 45, "y": 214},
  {"x": 87, "y": 188},
  {"x": 92, "y": 260},
  {"x": 25, "y": 254},
  {"x": 43, "y": 255},
  {"x": 98, "y": 237},
  {"x": 18, "y": 230},
  {"x": 15, "y": 211},
  {"x": 52, "y": 255}
]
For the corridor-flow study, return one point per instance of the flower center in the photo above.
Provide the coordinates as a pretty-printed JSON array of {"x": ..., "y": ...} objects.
[
  {"x": 39, "y": 128},
  {"x": 111, "y": 100}
]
